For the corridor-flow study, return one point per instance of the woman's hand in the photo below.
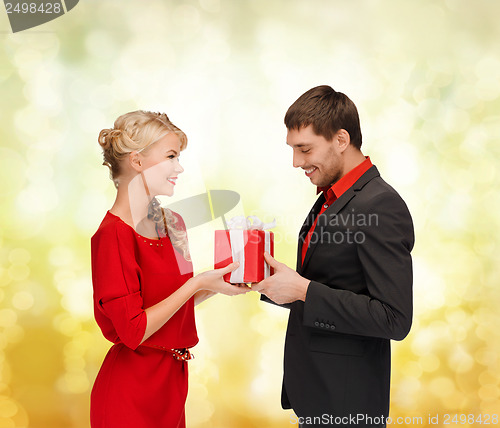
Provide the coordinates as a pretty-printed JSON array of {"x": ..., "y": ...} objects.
[{"x": 213, "y": 280}]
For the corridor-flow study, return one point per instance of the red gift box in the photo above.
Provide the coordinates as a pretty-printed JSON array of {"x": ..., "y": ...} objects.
[{"x": 246, "y": 247}]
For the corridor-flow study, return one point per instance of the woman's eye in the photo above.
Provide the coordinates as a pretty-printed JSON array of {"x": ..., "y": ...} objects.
[{"x": 171, "y": 156}]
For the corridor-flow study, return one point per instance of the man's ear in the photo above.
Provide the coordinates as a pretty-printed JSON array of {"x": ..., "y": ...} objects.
[
  {"x": 135, "y": 161},
  {"x": 343, "y": 139}
]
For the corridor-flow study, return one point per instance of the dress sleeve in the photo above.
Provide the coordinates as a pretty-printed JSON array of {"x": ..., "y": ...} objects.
[
  {"x": 181, "y": 225},
  {"x": 117, "y": 286}
]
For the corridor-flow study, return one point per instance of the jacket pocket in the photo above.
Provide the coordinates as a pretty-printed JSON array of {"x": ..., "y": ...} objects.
[{"x": 337, "y": 344}]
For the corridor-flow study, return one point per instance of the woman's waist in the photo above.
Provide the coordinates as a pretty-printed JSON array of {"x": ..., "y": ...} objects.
[
  {"x": 159, "y": 353},
  {"x": 181, "y": 354},
  {"x": 168, "y": 338}
]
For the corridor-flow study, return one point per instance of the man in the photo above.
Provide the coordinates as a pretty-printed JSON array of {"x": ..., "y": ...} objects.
[{"x": 352, "y": 290}]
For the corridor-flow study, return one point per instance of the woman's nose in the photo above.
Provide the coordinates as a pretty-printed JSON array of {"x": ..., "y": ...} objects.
[{"x": 179, "y": 168}]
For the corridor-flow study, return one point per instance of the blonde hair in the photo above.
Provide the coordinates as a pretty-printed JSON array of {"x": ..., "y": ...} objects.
[{"x": 137, "y": 131}]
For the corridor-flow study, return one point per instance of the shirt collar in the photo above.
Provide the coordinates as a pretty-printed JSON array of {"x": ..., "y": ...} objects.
[{"x": 334, "y": 191}]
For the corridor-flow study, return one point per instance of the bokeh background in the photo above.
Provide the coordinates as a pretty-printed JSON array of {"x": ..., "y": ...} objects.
[{"x": 425, "y": 76}]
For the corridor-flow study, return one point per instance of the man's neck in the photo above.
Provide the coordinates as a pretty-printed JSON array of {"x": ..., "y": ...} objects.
[{"x": 352, "y": 159}]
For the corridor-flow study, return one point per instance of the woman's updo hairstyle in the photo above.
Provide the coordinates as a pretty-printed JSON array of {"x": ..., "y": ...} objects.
[{"x": 137, "y": 131}]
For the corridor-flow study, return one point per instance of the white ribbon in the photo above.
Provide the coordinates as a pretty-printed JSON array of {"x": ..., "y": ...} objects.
[
  {"x": 267, "y": 248},
  {"x": 238, "y": 254}
]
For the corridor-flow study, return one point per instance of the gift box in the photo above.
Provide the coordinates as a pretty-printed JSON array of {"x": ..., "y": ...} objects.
[{"x": 244, "y": 242}]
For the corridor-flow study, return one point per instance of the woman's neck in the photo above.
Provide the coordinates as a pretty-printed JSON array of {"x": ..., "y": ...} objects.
[{"x": 131, "y": 203}]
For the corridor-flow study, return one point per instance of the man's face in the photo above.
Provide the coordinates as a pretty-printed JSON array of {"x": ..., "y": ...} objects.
[{"x": 320, "y": 158}]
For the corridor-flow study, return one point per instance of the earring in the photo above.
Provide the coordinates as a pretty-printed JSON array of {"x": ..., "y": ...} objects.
[{"x": 153, "y": 209}]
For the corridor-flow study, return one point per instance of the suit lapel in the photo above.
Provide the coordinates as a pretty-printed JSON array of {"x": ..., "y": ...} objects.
[
  {"x": 332, "y": 209},
  {"x": 306, "y": 226},
  {"x": 335, "y": 208}
]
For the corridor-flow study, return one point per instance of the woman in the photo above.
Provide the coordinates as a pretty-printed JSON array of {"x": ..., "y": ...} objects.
[{"x": 144, "y": 289}]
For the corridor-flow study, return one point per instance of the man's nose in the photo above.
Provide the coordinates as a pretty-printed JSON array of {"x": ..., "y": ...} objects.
[{"x": 298, "y": 161}]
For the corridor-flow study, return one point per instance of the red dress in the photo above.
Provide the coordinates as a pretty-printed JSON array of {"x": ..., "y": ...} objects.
[{"x": 139, "y": 386}]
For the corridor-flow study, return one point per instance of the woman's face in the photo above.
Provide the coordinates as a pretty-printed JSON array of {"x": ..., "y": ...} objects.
[{"x": 161, "y": 165}]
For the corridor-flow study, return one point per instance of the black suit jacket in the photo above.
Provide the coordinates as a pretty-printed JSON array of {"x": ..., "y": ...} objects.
[{"x": 337, "y": 348}]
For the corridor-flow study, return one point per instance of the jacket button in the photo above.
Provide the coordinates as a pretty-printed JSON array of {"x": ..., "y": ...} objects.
[
  {"x": 327, "y": 325},
  {"x": 322, "y": 324},
  {"x": 332, "y": 327},
  {"x": 316, "y": 324}
]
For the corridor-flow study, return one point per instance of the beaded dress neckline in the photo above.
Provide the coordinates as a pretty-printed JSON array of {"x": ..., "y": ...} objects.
[{"x": 145, "y": 238}]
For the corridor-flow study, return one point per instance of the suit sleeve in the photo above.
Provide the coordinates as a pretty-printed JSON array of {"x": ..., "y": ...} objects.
[
  {"x": 384, "y": 255},
  {"x": 268, "y": 300},
  {"x": 116, "y": 281}
]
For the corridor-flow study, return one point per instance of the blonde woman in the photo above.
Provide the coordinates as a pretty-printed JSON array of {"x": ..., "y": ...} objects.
[{"x": 144, "y": 288}]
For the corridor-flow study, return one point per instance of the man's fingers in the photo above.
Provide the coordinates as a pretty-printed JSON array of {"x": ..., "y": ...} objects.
[
  {"x": 259, "y": 286},
  {"x": 271, "y": 260}
]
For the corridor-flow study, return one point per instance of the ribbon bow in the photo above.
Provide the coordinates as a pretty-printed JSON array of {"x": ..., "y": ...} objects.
[{"x": 250, "y": 222}]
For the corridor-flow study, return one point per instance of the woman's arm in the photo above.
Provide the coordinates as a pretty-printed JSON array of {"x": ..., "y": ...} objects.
[
  {"x": 157, "y": 315},
  {"x": 203, "y": 295},
  {"x": 201, "y": 286}
]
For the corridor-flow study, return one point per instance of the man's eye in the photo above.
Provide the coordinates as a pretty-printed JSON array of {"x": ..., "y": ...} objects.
[{"x": 306, "y": 151}]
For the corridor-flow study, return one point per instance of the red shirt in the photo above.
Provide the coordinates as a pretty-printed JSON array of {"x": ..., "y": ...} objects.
[
  {"x": 131, "y": 273},
  {"x": 334, "y": 192}
]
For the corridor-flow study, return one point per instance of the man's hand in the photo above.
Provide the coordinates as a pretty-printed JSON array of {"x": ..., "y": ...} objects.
[{"x": 284, "y": 286}]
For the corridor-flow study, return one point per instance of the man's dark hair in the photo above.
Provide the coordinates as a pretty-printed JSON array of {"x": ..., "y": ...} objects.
[{"x": 327, "y": 111}]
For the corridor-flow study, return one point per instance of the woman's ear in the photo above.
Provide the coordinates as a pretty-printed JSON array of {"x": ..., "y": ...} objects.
[
  {"x": 344, "y": 139},
  {"x": 134, "y": 159}
]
